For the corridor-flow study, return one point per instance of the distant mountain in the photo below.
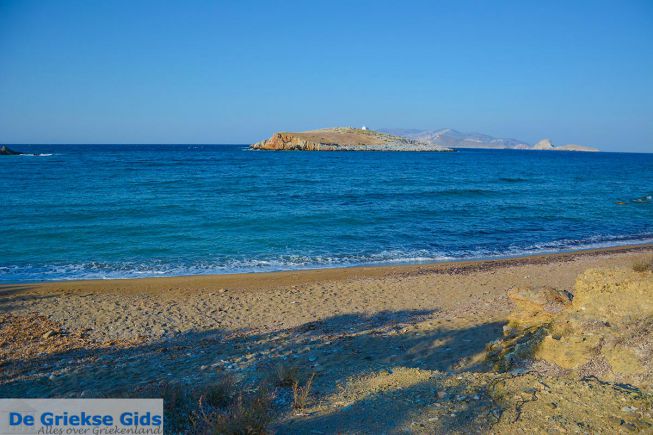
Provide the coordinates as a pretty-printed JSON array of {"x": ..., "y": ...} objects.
[
  {"x": 456, "y": 139},
  {"x": 451, "y": 138}
]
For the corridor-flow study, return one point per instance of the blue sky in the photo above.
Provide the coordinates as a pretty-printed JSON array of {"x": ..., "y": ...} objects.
[{"x": 236, "y": 71}]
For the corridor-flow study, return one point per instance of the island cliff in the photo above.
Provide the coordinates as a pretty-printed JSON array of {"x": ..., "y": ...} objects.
[{"x": 343, "y": 139}]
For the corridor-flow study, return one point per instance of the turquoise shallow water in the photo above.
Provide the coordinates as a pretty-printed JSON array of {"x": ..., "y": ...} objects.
[{"x": 114, "y": 211}]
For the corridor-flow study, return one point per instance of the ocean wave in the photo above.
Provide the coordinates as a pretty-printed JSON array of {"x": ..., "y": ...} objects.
[
  {"x": 159, "y": 268},
  {"x": 643, "y": 199},
  {"x": 37, "y": 155}
]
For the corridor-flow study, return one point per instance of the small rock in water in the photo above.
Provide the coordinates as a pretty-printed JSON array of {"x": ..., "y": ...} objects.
[{"x": 6, "y": 151}]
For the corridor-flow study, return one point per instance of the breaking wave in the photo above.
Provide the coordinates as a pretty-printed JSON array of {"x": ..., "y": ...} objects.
[{"x": 161, "y": 268}]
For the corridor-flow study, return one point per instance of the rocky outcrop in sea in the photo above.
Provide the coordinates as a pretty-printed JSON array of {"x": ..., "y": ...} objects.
[{"x": 6, "y": 151}]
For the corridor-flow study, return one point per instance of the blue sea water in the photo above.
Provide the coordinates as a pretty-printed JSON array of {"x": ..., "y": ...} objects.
[{"x": 117, "y": 211}]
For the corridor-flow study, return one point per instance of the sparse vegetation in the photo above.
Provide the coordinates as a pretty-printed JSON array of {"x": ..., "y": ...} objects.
[
  {"x": 221, "y": 393},
  {"x": 178, "y": 402},
  {"x": 247, "y": 414},
  {"x": 217, "y": 408},
  {"x": 285, "y": 375},
  {"x": 301, "y": 394},
  {"x": 643, "y": 265}
]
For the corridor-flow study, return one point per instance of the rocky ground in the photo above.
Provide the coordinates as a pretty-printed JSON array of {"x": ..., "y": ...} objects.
[{"x": 555, "y": 344}]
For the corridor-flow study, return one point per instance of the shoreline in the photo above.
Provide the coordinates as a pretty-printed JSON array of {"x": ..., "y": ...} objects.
[
  {"x": 386, "y": 345},
  {"x": 283, "y": 277}
]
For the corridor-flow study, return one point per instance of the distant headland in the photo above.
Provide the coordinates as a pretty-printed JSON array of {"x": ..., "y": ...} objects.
[
  {"x": 451, "y": 138},
  {"x": 546, "y": 145},
  {"x": 344, "y": 139}
]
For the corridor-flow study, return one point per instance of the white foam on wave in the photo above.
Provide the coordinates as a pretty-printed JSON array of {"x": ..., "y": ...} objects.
[
  {"x": 37, "y": 155},
  {"x": 158, "y": 268}
]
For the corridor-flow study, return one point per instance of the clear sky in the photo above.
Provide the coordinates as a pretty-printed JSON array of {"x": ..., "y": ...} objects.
[{"x": 139, "y": 71}]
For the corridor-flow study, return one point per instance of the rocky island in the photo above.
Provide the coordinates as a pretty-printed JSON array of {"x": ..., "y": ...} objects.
[
  {"x": 343, "y": 139},
  {"x": 6, "y": 151}
]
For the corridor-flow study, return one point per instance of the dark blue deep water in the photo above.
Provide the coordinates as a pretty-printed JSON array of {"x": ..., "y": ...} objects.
[{"x": 110, "y": 211}]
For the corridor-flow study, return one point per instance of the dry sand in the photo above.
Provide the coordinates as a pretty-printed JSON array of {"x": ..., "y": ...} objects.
[{"x": 365, "y": 331}]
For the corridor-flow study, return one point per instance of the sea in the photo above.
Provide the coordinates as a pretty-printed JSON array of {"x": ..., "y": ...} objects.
[{"x": 125, "y": 211}]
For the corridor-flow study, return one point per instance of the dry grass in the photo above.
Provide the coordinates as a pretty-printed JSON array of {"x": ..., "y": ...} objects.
[
  {"x": 284, "y": 375},
  {"x": 248, "y": 415},
  {"x": 643, "y": 265},
  {"x": 220, "y": 394},
  {"x": 177, "y": 405},
  {"x": 217, "y": 408},
  {"x": 301, "y": 394}
]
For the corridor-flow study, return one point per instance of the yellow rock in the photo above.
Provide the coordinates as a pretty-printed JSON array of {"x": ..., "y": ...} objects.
[
  {"x": 623, "y": 360},
  {"x": 617, "y": 295},
  {"x": 567, "y": 352},
  {"x": 609, "y": 321},
  {"x": 535, "y": 307}
]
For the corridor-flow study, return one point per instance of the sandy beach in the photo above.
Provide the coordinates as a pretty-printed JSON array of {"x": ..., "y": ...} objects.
[
  {"x": 258, "y": 218},
  {"x": 360, "y": 330},
  {"x": 154, "y": 308}
]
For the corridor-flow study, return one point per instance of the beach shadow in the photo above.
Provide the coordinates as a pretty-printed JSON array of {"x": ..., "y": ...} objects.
[
  {"x": 337, "y": 348},
  {"x": 11, "y": 296},
  {"x": 445, "y": 350},
  {"x": 393, "y": 412}
]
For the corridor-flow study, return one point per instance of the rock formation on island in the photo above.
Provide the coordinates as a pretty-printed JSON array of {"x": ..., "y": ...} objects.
[
  {"x": 344, "y": 139},
  {"x": 6, "y": 151},
  {"x": 546, "y": 145},
  {"x": 451, "y": 138}
]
